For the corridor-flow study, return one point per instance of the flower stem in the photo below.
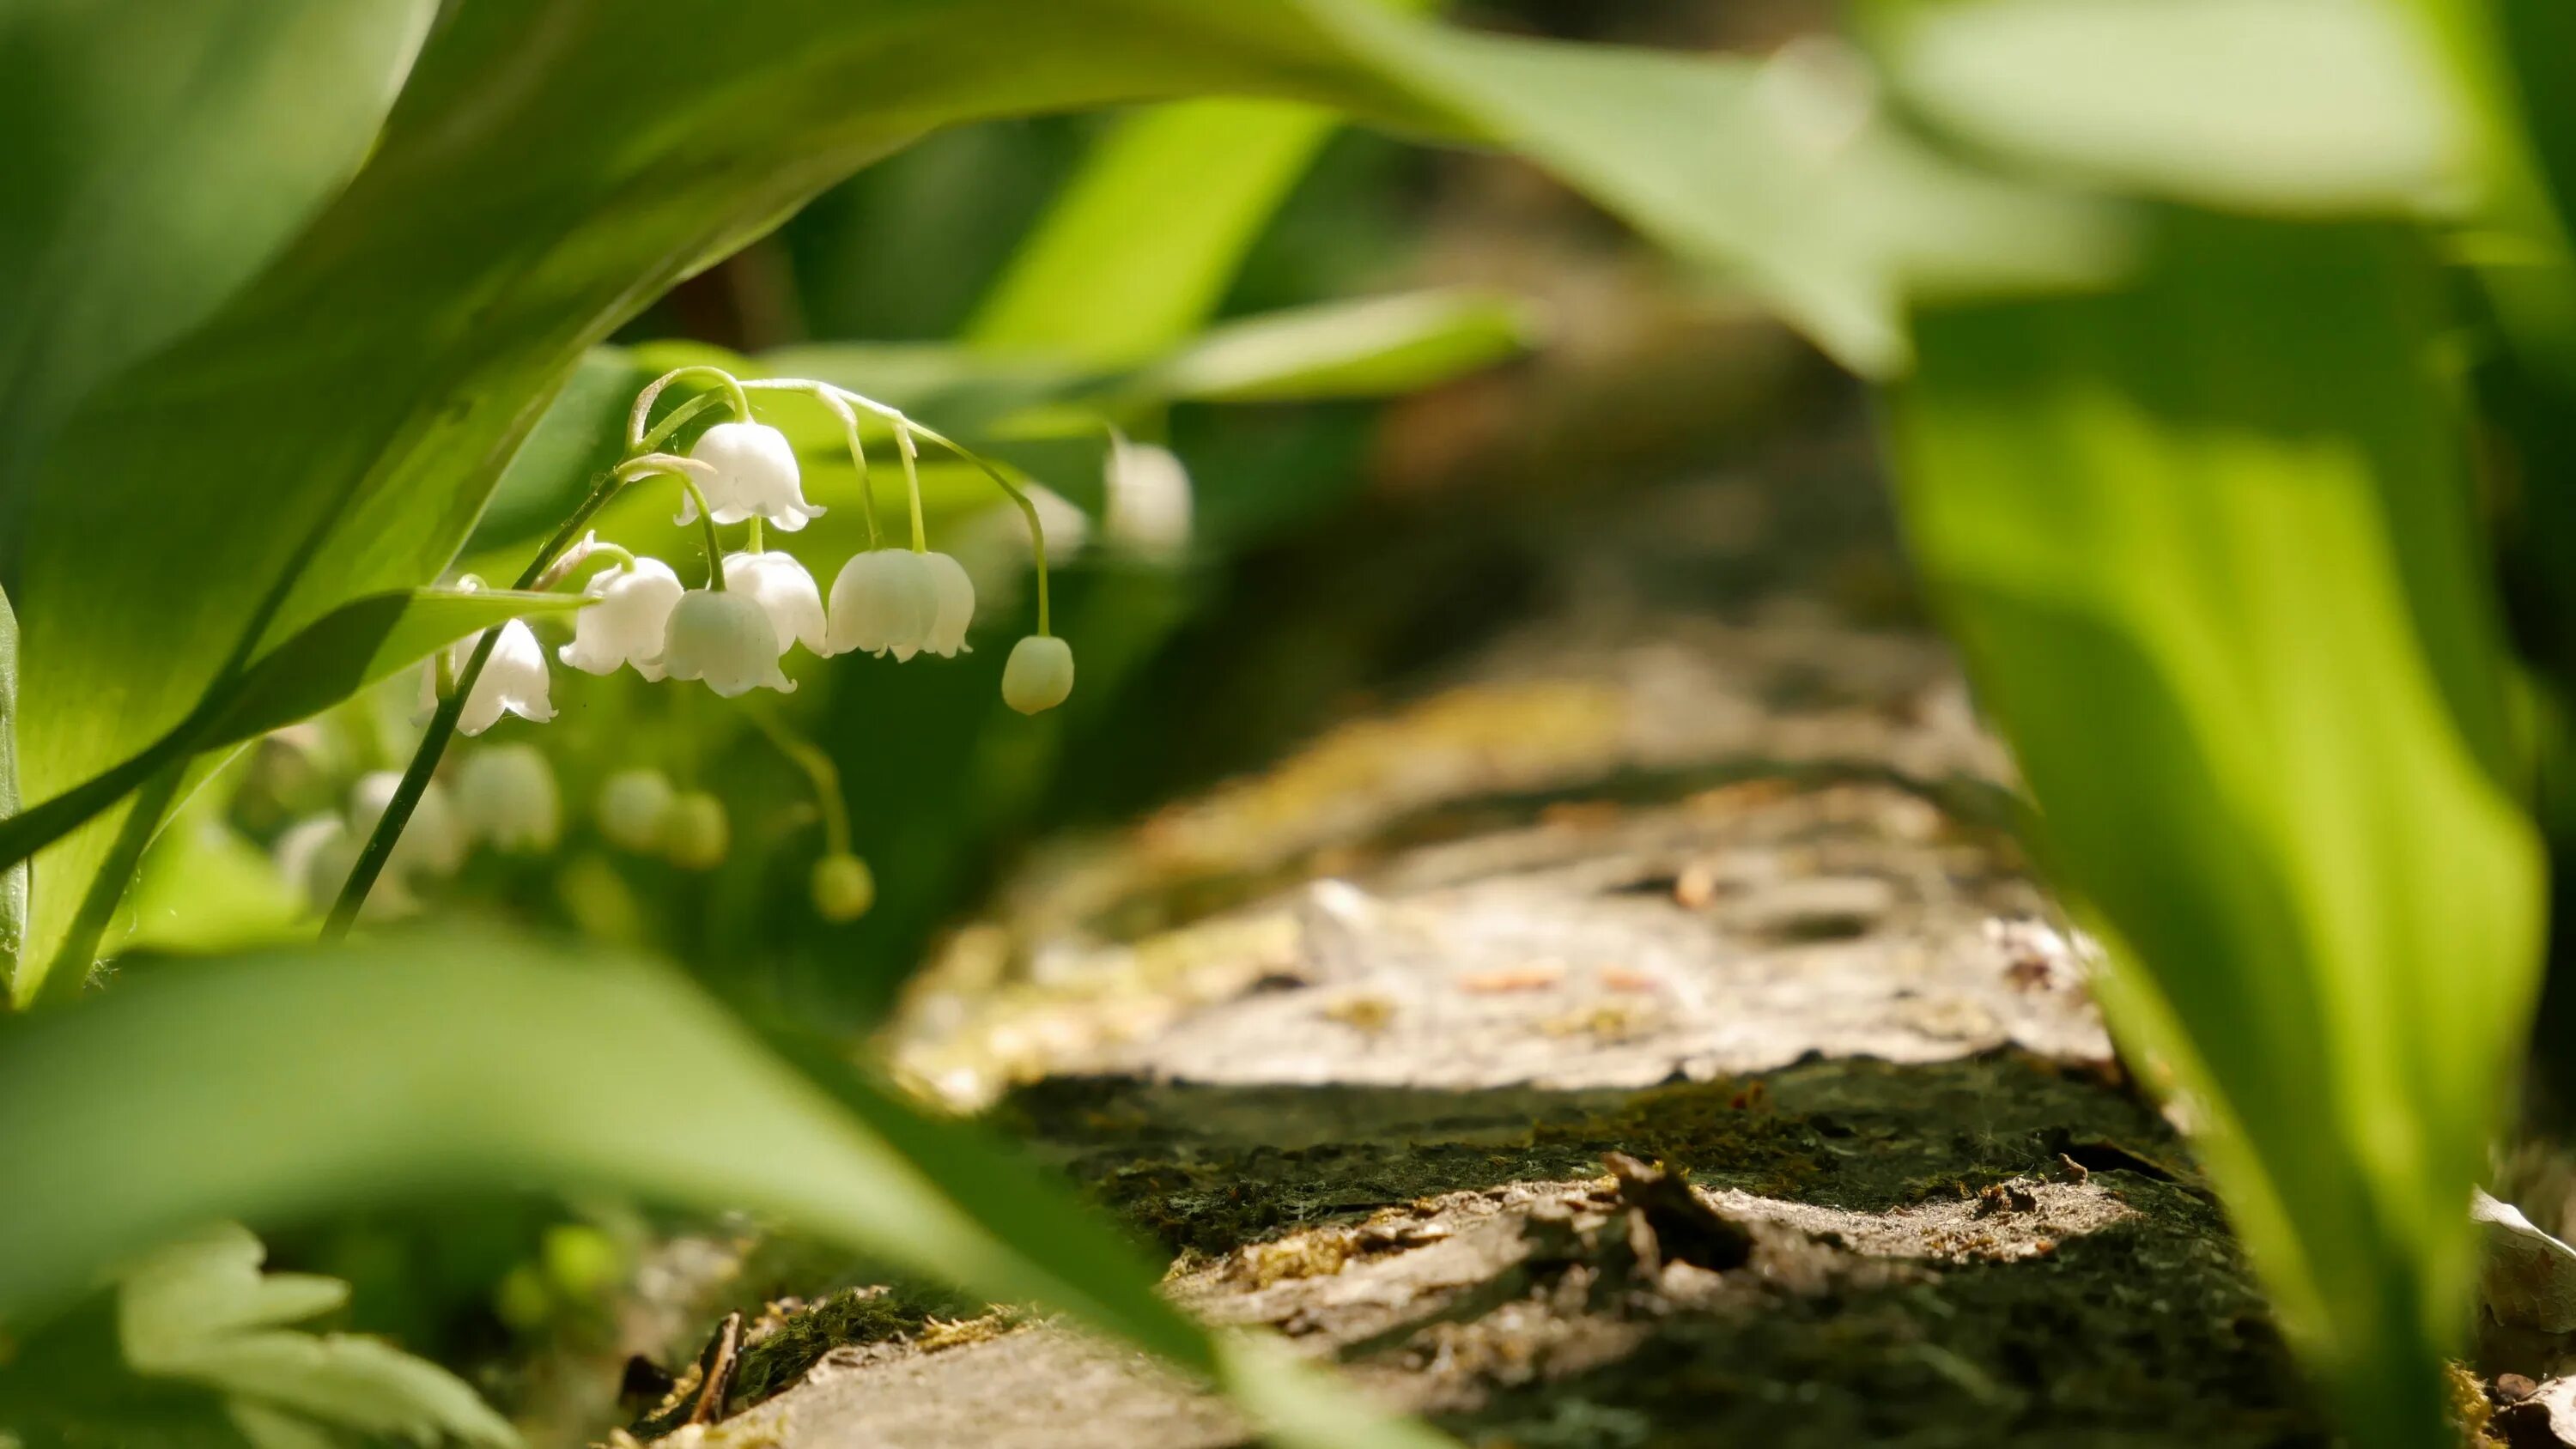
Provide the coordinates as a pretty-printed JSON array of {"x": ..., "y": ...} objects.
[
  {"x": 819, "y": 769},
  {"x": 912, "y": 484},
  {"x": 643, "y": 409},
  {"x": 684, "y": 469},
  {"x": 78, "y": 954},
  {"x": 1028, "y": 507},
  {"x": 442, "y": 723},
  {"x": 678, "y": 419}
]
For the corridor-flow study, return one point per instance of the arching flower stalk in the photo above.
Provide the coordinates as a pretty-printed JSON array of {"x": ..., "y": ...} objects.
[{"x": 756, "y": 604}]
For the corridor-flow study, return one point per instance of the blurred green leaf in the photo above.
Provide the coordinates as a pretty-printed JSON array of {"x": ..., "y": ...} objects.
[
  {"x": 206, "y": 887},
  {"x": 2209, "y": 547},
  {"x": 190, "y": 1346},
  {"x": 290, "y": 1084},
  {"x": 199, "y": 1310},
  {"x": 158, "y": 156},
  {"x": 13, "y": 878},
  {"x": 1369, "y": 347},
  {"x": 1139, "y": 249},
  {"x": 2287, "y": 106},
  {"x": 336, "y": 429},
  {"x": 339, "y": 654},
  {"x": 581, "y": 433}
]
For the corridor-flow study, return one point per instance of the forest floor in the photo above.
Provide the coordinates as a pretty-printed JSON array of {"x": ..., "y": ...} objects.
[{"x": 1647, "y": 1032}]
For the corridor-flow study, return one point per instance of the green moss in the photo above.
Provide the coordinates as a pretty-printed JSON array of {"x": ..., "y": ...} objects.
[
  {"x": 1723, "y": 1131},
  {"x": 858, "y": 1316}
]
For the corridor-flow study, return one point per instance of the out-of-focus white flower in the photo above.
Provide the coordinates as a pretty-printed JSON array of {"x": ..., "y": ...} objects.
[
  {"x": 885, "y": 598},
  {"x": 627, "y": 624},
  {"x": 955, "y": 593},
  {"x": 696, "y": 835},
  {"x": 755, "y": 472},
  {"x": 513, "y": 681},
  {"x": 1149, "y": 504},
  {"x": 843, "y": 888},
  {"x": 314, "y": 856},
  {"x": 994, "y": 544},
  {"x": 1038, "y": 675},
  {"x": 726, "y": 639},
  {"x": 635, "y": 808},
  {"x": 432, "y": 842},
  {"x": 506, "y": 795},
  {"x": 784, "y": 591}
]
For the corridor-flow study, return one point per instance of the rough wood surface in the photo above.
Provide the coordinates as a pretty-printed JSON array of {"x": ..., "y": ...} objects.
[{"x": 1719, "y": 889}]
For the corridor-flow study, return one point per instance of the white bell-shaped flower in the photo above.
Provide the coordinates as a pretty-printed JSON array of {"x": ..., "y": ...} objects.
[
  {"x": 1038, "y": 675},
  {"x": 697, "y": 834},
  {"x": 1149, "y": 505},
  {"x": 506, "y": 795},
  {"x": 955, "y": 593},
  {"x": 432, "y": 842},
  {"x": 726, "y": 639},
  {"x": 784, "y": 591},
  {"x": 627, "y": 624},
  {"x": 634, "y": 809},
  {"x": 513, "y": 681},
  {"x": 884, "y": 599},
  {"x": 755, "y": 472}
]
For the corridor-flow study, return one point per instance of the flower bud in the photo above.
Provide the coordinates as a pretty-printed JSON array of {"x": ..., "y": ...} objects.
[
  {"x": 1149, "y": 506},
  {"x": 635, "y": 809},
  {"x": 843, "y": 888},
  {"x": 884, "y": 599},
  {"x": 627, "y": 624},
  {"x": 506, "y": 795},
  {"x": 431, "y": 842},
  {"x": 955, "y": 593},
  {"x": 755, "y": 472},
  {"x": 1038, "y": 675},
  {"x": 725, "y": 639},
  {"x": 696, "y": 835},
  {"x": 784, "y": 591}
]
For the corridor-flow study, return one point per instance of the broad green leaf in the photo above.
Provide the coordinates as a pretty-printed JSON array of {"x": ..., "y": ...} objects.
[
  {"x": 1371, "y": 347},
  {"x": 2289, "y": 106},
  {"x": 341, "y": 653},
  {"x": 288, "y": 1085},
  {"x": 581, "y": 434},
  {"x": 1137, "y": 252},
  {"x": 335, "y": 430},
  {"x": 2209, "y": 546},
  {"x": 158, "y": 155},
  {"x": 1140, "y": 248},
  {"x": 13, "y": 878}
]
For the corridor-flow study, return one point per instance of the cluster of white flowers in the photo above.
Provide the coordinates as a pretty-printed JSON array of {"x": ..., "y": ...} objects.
[
  {"x": 504, "y": 798},
  {"x": 732, "y": 634},
  {"x": 760, "y": 603}
]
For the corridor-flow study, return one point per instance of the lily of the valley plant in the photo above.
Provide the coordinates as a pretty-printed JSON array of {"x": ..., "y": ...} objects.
[{"x": 755, "y": 604}]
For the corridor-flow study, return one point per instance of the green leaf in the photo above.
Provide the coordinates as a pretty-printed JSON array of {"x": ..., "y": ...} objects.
[
  {"x": 199, "y": 1310},
  {"x": 2286, "y": 106},
  {"x": 158, "y": 156},
  {"x": 292, "y": 1084},
  {"x": 341, "y": 653},
  {"x": 335, "y": 430},
  {"x": 1141, "y": 246},
  {"x": 2210, "y": 548},
  {"x": 1370, "y": 347}
]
